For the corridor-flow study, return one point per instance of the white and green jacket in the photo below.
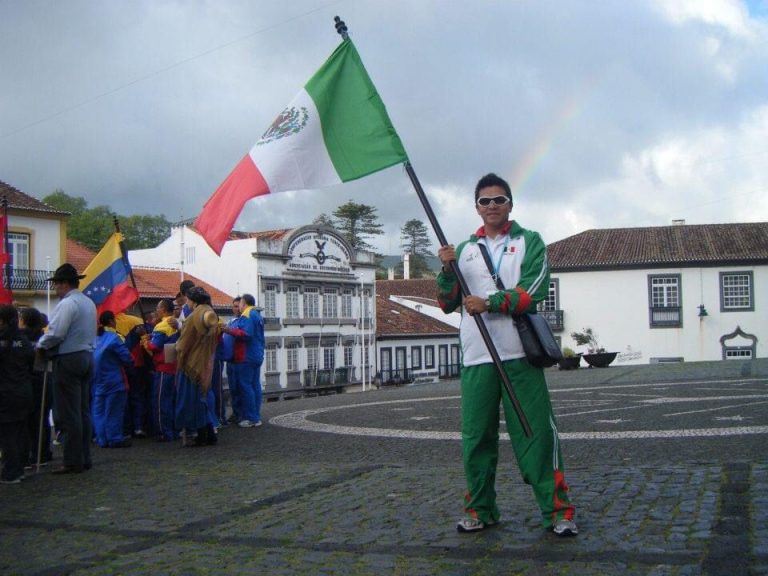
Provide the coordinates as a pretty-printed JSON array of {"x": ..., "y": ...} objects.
[{"x": 520, "y": 258}]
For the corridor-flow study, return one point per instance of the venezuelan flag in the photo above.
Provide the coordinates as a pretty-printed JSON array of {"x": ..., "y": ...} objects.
[{"x": 108, "y": 278}]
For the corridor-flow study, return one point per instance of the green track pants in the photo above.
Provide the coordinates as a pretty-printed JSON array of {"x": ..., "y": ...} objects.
[{"x": 538, "y": 457}]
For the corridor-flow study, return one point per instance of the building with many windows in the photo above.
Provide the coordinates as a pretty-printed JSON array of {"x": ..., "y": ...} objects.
[
  {"x": 664, "y": 294},
  {"x": 316, "y": 295},
  {"x": 415, "y": 340},
  {"x": 36, "y": 243}
]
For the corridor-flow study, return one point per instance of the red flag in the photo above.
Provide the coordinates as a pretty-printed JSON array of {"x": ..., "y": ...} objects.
[{"x": 6, "y": 297}]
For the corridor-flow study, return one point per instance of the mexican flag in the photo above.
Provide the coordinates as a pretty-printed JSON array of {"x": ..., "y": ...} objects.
[{"x": 335, "y": 130}]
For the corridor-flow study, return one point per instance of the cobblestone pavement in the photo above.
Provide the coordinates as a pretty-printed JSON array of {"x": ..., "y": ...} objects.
[{"x": 658, "y": 489}]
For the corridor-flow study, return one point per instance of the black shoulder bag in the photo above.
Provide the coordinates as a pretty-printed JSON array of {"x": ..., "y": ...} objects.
[{"x": 539, "y": 344}]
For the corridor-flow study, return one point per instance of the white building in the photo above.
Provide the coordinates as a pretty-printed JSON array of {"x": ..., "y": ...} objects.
[
  {"x": 37, "y": 245},
  {"x": 415, "y": 340},
  {"x": 316, "y": 294},
  {"x": 661, "y": 294}
]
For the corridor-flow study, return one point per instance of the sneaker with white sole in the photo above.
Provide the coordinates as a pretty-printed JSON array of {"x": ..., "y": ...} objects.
[
  {"x": 246, "y": 424},
  {"x": 565, "y": 528},
  {"x": 472, "y": 525}
]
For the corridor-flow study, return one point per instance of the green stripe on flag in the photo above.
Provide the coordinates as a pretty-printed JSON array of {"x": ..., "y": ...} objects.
[{"x": 358, "y": 134}]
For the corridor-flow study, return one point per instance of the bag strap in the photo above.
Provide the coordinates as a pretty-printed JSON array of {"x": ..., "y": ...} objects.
[
  {"x": 499, "y": 284},
  {"x": 487, "y": 257}
]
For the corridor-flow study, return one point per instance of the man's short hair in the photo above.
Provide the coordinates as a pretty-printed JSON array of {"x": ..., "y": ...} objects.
[
  {"x": 236, "y": 299},
  {"x": 248, "y": 299},
  {"x": 493, "y": 180},
  {"x": 165, "y": 304},
  {"x": 9, "y": 315},
  {"x": 185, "y": 286}
]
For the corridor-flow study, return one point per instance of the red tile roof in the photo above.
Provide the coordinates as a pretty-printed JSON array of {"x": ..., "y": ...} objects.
[
  {"x": 394, "y": 319},
  {"x": 18, "y": 199},
  {"x": 662, "y": 246},
  {"x": 278, "y": 234},
  {"x": 151, "y": 282}
]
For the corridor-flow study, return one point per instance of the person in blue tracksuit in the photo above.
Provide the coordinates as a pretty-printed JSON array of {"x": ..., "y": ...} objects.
[
  {"x": 163, "y": 400},
  {"x": 110, "y": 384},
  {"x": 249, "y": 345},
  {"x": 226, "y": 351}
]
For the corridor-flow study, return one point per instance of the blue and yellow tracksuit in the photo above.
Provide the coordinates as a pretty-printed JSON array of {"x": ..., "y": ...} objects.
[
  {"x": 248, "y": 357},
  {"x": 110, "y": 387},
  {"x": 163, "y": 402}
]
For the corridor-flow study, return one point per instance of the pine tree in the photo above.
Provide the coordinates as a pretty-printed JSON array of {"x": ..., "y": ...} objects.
[
  {"x": 357, "y": 222},
  {"x": 414, "y": 240}
]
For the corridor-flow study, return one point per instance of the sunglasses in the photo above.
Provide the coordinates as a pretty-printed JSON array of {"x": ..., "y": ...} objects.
[{"x": 498, "y": 200}]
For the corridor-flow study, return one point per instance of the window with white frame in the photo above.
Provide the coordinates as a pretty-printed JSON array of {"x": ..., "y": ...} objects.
[
  {"x": 292, "y": 357},
  {"x": 311, "y": 302},
  {"x": 330, "y": 303},
  {"x": 348, "y": 354},
  {"x": 429, "y": 356},
  {"x": 346, "y": 303},
  {"x": 665, "y": 301},
  {"x": 18, "y": 244},
  {"x": 738, "y": 354},
  {"x": 312, "y": 358},
  {"x": 416, "y": 357},
  {"x": 366, "y": 304},
  {"x": 550, "y": 302},
  {"x": 329, "y": 356},
  {"x": 736, "y": 292},
  {"x": 270, "y": 358},
  {"x": 189, "y": 255},
  {"x": 270, "y": 301},
  {"x": 292, "y": 302}
]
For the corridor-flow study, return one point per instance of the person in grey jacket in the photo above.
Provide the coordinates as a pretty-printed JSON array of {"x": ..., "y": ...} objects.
[{"x": 70, "y": 343}]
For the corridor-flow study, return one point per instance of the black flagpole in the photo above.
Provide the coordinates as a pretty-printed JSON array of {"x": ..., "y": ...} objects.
[
  {"x": 341, "y": 28},
  {"x": 126, "y": 262}
]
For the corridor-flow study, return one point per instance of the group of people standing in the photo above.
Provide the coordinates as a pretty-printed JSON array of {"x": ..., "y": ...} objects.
[{"x": 116, "y": 376}]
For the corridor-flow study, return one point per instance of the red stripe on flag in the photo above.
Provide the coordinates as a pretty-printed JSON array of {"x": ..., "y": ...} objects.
[
  {"x": 222, "y": 209},
  {"x": 122, "y": 296}
]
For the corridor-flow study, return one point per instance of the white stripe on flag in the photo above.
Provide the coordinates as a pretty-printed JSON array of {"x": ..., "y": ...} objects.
[{"x": 297, "y": 160}]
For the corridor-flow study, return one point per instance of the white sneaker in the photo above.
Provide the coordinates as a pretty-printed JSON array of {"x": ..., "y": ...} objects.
[
  {"x": 565, "y": 528},
  {"x": 257, "y": 423},
  {"x": 472, "y": 525},
  {"x": 246, "y": 424}
]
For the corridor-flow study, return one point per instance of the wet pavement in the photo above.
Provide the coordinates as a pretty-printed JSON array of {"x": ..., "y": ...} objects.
[{"x": 668, "y": 469}]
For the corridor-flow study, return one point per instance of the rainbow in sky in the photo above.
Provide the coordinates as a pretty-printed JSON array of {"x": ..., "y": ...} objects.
[{"x": 531, "y": 160}]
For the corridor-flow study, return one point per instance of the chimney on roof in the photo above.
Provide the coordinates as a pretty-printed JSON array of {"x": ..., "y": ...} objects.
[
  {"x": 406, "y": 266},
  {"x": 678, "y": 222}
]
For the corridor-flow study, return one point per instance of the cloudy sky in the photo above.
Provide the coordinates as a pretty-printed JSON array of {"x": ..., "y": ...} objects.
[{"x": 601, "y": 114}]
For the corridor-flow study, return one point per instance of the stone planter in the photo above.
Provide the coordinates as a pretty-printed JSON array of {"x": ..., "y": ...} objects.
[
  {"x": 569, "y": 362},
  {"x": 600, "y": 359}
]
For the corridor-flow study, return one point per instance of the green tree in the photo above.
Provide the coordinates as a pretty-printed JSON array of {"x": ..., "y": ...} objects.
[
  {"x": 414, "y": 240},
  {"x": 324, "y": 220},
  {"x": 357, "y": 222},
  {"x": 92, "y": 227},
  {"x": 144, "y": 231}
]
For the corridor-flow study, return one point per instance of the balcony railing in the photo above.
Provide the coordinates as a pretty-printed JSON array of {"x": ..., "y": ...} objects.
[
  {"x": 395, "y": 376},
  {"x": 26, "y": 279},
  {"x": 449, "y": 371},
  {"x": 554, "y": 318},
  {"x": 665, "y": 316},
  {"x": 326, "y": 376}
]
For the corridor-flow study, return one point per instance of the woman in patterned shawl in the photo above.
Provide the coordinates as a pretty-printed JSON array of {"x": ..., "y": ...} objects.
[{"x": 195, "y": 351}]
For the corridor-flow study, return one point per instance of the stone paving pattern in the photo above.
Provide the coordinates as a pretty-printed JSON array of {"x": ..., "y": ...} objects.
[{"x": 279, "y": 501}]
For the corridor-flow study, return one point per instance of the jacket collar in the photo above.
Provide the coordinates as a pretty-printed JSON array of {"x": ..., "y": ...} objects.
[{"x": 510, "y": 225}]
